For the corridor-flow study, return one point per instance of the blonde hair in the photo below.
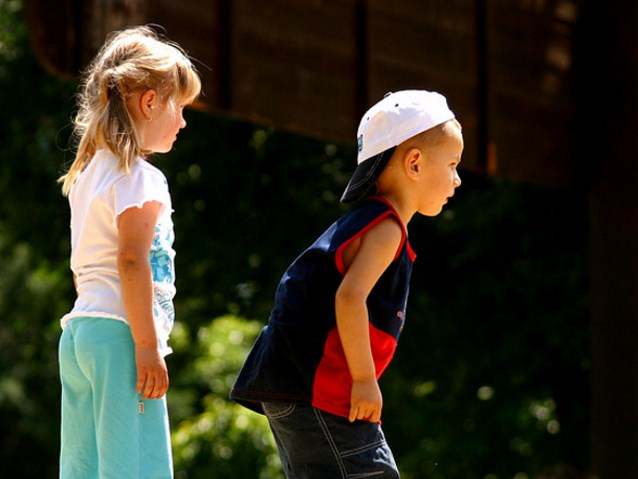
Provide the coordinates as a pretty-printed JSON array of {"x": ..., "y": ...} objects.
[
  {"x": 436, "y": 135},
  {"x": 130, "y": 61}
]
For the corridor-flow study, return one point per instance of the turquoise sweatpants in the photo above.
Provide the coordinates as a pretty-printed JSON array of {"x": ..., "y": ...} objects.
[{"x": 108, "y": 431}]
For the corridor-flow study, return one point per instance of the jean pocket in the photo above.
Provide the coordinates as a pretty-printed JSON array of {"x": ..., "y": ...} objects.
[
  {"x": 361, "y": 447},
  {"x": 278, "y": 410}
]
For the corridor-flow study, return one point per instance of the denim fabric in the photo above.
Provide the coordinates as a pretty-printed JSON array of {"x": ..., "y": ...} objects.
[{"x": 314, "y": 444}]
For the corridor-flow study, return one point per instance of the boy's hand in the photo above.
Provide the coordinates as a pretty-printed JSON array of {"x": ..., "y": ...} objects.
[
  {"x": 152, "y": 373},
  {"x": 366, "y": 401}
]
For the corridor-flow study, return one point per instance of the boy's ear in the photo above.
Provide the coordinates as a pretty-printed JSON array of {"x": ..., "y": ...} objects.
[{"x": 413, "y": 162}]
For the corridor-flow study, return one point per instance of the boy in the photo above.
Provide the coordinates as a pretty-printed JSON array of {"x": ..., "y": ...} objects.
[{"x": 340, "y": 307}]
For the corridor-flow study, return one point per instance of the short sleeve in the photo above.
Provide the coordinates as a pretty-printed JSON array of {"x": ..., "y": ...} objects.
[{"x": 145, "y": 183}]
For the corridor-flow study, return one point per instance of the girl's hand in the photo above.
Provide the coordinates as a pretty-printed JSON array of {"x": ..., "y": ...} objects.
[
  {"x": 152, "y": 373},
  {"x": 366, "y": 401}
]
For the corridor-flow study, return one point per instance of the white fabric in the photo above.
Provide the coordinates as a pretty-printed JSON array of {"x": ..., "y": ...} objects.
[
  {"x": 399, "y": 116},
  {"x": 101, "y": 193}
]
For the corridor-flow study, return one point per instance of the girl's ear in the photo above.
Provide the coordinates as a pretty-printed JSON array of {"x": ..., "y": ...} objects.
[{"x": 148, "y": 100}]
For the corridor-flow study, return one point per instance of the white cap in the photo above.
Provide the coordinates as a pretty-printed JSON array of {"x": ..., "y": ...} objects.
[{"x": 396, "y": 118}]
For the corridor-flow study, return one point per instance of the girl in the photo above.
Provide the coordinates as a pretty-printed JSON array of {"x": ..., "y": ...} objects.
[{"x": 114, "y": 377}]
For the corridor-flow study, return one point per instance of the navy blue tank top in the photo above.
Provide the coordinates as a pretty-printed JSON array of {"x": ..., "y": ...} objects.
[{"x": 298, "y": 356}]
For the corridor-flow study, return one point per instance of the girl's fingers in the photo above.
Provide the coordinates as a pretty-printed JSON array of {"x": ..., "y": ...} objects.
[
  {"x": 152, "y": 387},
  {"x": 141, "y": 380}
]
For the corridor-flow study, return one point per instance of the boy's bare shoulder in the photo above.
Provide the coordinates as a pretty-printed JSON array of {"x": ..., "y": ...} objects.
[
  {"x": 386, "y": 232},
  {"x": 379, "y": 242},
  {"x": 368, "y": 257}
]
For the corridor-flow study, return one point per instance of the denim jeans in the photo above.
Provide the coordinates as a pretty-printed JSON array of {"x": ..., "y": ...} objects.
[{"x": 314, "y": 444}]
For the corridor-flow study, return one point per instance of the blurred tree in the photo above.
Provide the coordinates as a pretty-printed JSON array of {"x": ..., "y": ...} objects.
[
  {"x": 31, "y": 293},
  {"x": 493, "y": 364},
  {"x": 217, "y": 438},
  {"x": 491, "y": 375},
  {"x": 35, "y": 286}
]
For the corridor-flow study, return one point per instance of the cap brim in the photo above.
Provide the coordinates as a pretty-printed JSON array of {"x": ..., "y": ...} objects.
[{"x": 365, "y": 175}]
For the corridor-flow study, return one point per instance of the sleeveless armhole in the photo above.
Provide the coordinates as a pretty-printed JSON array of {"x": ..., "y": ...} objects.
[{"x": 339, "y": 253}]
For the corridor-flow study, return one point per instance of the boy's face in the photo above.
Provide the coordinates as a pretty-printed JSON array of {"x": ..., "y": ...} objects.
[{"x": 440, "y": 177}]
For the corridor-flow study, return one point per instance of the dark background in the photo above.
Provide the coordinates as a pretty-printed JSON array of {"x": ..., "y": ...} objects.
[{"x": 518, "y": 357}]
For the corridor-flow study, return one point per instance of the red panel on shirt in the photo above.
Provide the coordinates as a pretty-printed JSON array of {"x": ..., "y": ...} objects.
[{"x": 333, "y": 382}]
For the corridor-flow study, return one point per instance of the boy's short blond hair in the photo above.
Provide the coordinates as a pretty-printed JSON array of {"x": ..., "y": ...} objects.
[{"x": 436, "y": 135}]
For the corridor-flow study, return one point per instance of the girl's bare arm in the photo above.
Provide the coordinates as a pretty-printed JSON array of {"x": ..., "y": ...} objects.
[{"x": 136, "y": 228}]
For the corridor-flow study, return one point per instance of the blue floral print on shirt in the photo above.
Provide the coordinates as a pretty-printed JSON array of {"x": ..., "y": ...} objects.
[{"x": 163, "y": 272}]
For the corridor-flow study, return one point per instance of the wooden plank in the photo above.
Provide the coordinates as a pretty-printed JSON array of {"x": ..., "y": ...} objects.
[
  {"x": 531, "y": 105},
  {"x": 102, "y": 17},
  {"x": 200, "y": 28},
  {"x": 430, "y": 46},
  {"x": 293, "y": 65},
  {"x": 313, "y": 67},
  {"x": 53, "y": 35},
  {"x": 608, "y": 115}
]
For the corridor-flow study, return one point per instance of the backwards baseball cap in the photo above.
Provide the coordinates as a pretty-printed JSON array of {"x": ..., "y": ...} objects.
[{"x": 399, "y": 116}]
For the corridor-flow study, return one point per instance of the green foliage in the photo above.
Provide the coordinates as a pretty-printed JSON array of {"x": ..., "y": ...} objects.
[
  {"x": 34, "y": 128},
  {"x": 224, "y": 439},
  {"x": 247, "y": 198},
  {"x": 493, "y": 365},
  {"x": 31, "y": 293},
  {"x": 491, "y": 375},
  {"x": 35, "y": 285}
]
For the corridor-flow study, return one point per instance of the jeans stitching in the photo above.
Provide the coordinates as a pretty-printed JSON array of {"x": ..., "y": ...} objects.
[
  {"x": 363, "y": 475},
  {"x": 283, "y": 413},
  {"x": 364, "y": 448},
  {"x": 333, "y": 446}
]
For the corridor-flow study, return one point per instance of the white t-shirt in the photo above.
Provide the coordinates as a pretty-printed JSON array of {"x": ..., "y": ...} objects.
[{"x": 100, "y": 194}]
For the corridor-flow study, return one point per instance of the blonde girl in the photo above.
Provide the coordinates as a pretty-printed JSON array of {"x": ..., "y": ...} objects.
[{"x": 114, "y": 340}]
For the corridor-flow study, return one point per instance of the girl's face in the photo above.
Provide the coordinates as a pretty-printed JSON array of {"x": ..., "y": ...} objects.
[
  {"x": 160, "y": 131},
  {"x": 441, "y": 177}
]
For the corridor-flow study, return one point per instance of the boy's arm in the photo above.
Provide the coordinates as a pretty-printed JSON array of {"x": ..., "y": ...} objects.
[
  {"x": 365, "y": 262},
  {"x": 136, "y": 228}
]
